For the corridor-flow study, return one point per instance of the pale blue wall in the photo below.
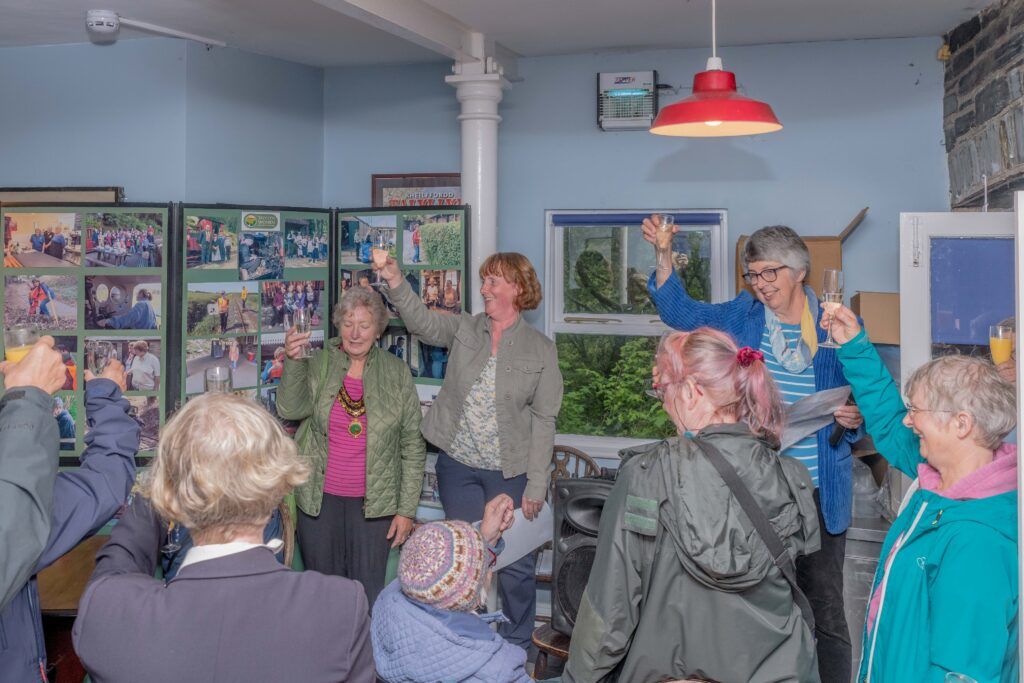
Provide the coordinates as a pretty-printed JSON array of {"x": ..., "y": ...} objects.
[
  {"x": 165, "y": 119},
  {"x": 395, "y": 119},
  {"x": 254, "y": 129},
  {"x": 863, "y": 128},
  {"x": 91, "y": 115}
]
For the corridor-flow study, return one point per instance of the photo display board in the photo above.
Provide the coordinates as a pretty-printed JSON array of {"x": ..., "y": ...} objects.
[
  {"x": 92, "y": 273},
  {"x": 431, "y": 246},
  {"x": 245, "y": 270}
]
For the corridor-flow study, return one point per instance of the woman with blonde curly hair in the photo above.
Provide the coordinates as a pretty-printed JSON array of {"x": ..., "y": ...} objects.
[{"x": 232, "y": 612}]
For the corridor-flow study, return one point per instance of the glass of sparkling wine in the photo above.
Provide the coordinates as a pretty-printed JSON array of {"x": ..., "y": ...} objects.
[
  {"x": 18, "y": 340},
  {"x": 98, "y": 355},
  {"x": 1000, "y": 342},
  {"x": 663, "y": 240},
  {"x": 303, "y": 325},
  {"x": 217, "y": 380},
  {"x": 832, "y": 297},
  {"x": 380, "y": 252}
]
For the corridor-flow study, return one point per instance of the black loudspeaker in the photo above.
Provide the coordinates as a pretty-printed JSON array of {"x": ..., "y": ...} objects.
[{"x": 577, "y": 513}]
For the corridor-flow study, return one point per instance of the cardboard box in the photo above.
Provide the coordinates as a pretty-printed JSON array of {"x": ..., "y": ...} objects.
[
  {"x": 826, "y": 252},
  {"x": 881, "y": 314}
]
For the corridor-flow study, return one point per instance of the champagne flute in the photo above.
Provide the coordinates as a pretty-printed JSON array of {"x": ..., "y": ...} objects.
[
  {"x": 663, "y": 243},
  {"x": 832, "y": 297},
  {"x": 1000, "y": 342},
  {"x": 303, "y": 324},
  {"x": 217, "y": 380},
  {"x": 98, "y": 355},
  {"x": 380, "y": 252},
  {"x": 18, "y": 340}
]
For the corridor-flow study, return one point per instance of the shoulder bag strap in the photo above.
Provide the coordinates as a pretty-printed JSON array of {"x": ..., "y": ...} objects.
[{"x": 780, "y": 556}]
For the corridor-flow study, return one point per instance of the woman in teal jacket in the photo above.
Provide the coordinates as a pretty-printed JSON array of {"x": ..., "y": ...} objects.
[{"x": 944, "y": 598}]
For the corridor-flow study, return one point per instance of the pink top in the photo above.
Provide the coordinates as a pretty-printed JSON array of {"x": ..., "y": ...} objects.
[
  {"x": 995, "y": 478},
  {"x": 346, "y": 454}
]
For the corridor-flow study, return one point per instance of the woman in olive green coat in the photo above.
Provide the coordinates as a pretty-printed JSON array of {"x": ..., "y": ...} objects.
[{"x": 360, "y": 434}]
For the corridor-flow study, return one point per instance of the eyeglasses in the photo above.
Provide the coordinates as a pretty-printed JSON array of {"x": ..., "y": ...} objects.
[
  {"x": 657, "y": 389},
  {"x": 768, "y": 275},
  {"x": 911, "y": 410}
]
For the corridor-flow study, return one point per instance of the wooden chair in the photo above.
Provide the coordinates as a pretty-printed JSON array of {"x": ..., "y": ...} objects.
[{"x": 548, "y": 642}]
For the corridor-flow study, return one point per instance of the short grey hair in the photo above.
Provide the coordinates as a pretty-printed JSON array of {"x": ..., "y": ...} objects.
[
  {"x": 356, "y": 297},
  {"x": 778, "y": 243},
  {"x": 970, "y": 385}
]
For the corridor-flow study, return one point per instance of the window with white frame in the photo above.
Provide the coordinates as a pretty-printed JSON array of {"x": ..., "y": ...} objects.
[{"x": 602, "y": 317}]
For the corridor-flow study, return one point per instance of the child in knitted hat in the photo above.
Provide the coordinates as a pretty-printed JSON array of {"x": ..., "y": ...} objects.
[{"x": 425, "y": 628}]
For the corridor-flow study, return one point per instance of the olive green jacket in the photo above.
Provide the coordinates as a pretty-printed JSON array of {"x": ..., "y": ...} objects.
[
  {"x": 395, "y": 451},
  {"x": 527, "y": 384}
]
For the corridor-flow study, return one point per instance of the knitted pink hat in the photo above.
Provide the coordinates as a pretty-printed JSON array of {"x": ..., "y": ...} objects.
[{"x": 442, "y": 565}]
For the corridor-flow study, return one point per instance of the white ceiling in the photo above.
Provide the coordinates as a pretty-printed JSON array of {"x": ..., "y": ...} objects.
[{"x": 306, "y": 32}]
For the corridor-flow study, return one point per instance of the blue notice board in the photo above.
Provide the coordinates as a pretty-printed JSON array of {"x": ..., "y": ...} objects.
[{"x": 971, "y": 287}]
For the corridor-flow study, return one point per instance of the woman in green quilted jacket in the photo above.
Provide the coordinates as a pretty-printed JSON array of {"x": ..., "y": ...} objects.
[{"x": 360, "y": 434}]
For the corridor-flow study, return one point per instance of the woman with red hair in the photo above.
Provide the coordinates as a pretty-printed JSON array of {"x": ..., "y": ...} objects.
[{"x": 683, "y": 585}]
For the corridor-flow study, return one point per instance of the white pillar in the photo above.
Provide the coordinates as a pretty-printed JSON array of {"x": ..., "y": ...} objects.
[{"x": 478, "y": 87}]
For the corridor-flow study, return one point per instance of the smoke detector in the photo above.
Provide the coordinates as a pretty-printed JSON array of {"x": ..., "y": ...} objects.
[{"x": 103, "y": 26}]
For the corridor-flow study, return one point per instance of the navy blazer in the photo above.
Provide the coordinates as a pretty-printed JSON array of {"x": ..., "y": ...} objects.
[{"x": 243, "y": 617}]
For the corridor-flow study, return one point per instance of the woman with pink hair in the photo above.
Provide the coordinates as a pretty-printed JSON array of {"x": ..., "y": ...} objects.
[{"x": 684, "y": 584}]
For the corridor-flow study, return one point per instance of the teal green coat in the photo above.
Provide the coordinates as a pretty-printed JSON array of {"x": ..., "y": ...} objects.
[
  {"x": 950, "y": 592},
  {"x": 395, "y": 451}
]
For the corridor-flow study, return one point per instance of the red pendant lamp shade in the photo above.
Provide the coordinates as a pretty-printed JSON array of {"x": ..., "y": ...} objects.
[{"x": 715, "y": 109}]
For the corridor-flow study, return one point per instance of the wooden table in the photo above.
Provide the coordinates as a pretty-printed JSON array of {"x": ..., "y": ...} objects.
[{"x": 60, "y": 588}]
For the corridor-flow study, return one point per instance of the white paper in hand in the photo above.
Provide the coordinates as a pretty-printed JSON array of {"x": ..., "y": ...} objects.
[{"x": 524, "y": 536}]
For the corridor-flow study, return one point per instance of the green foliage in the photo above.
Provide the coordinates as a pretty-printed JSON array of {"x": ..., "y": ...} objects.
[
  {"x": 604, "y": 387},
  {"x": 111, "y": 221},
  {"x": 441, "y": 243},
  {"x": 697, "y": 274}
]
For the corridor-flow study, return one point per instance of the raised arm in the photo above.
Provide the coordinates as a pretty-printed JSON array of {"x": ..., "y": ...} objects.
[
  {"x": 295, "y": 395},
  {"x": 876, "y": 393},
  {"x": 88, "y": 497},
  {"x": 680, "y": 311},
  {"x": 435, "y": 328}
]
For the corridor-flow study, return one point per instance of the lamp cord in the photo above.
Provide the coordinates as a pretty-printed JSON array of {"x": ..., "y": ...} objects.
[{"x": 714, "y": 36}]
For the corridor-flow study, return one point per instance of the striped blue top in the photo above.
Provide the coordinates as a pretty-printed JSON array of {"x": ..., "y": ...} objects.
[{"x": 793, "y": 387}]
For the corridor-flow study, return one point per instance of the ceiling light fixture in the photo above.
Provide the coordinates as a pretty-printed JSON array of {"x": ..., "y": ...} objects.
[
  {"x": 103, "y": 26},
  {"x": 715, "y": 109}
]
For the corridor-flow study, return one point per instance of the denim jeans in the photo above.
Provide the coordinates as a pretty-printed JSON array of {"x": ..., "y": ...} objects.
[
  {"x": 464, "y": 492},
  {"x": 820, "y": 576}
]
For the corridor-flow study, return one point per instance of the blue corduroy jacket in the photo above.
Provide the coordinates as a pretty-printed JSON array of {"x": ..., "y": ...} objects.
[{"x": 743, "y": 318}]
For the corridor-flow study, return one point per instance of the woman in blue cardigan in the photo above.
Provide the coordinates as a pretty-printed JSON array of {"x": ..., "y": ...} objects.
[{"x": 781, "y": 320}]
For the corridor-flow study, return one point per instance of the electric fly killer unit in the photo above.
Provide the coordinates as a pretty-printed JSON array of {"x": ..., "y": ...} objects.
[{"x": 627, "y": 100}]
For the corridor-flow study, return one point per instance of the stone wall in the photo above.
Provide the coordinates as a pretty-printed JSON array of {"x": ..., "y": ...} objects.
[{"x": 983, "y": 109}]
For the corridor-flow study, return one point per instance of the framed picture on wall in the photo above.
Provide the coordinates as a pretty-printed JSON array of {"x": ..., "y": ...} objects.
[{"x": 416, "y": 189}]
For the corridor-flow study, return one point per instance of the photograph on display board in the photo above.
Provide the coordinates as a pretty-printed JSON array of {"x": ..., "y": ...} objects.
[
  {"x": 305, "y": 242},
  {"x": 412, "y": 355},
  {"x": 123, "y": 240},
  {"x": 42, "y": 240},
  {"x": 222, "y": 308},
  {"x": 364, "y": 278},
  {"x": 360, "y": 233},
  {"x": 122, "y": 302},
  {"x": 395, "y": 341},
  {"x": 282, "y": 299},
  {"x": 272, "y": 354},
  {"x": 432, "y": 239},
  {"x": 239, "y": 354},
  {"x": 66, "y": 413},
  {"x": 211, "y": 242},
  {"x": 441, "y": 290},
  {"x": 141, "y": 358},
  {"x": 67, "y": 346},
  {"x": 268, "y": 398},
  {"x": 49, "y": 302},
  {"x": 260, "y": 255},
  {"x": 432, "y": 361},
  {"x": 146, "y": 411}
]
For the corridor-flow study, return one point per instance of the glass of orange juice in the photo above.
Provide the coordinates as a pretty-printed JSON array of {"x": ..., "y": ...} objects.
[
  {"x": 1000, "y": 342},
  {"x": 18, "y": 340}
]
